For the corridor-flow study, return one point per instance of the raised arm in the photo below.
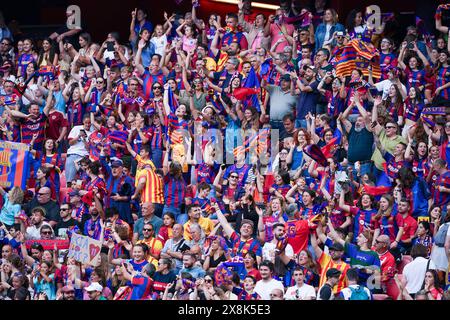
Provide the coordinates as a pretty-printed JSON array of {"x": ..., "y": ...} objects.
[{"x": 227, "y": 229}]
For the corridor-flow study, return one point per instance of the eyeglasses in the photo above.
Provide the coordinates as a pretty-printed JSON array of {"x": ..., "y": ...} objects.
[
  {"x": 46, "y": 232},
  {"x": 43, "y": 194}
]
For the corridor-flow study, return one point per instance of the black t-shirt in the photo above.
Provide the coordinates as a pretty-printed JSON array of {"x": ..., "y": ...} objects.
[
  {"x": 62, "y": 226},
  {"x": 326, "y": 292},
  {"x": 214, "y": 263}
]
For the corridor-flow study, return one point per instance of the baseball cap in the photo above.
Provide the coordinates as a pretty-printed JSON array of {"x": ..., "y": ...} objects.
[
  {"x": 68, "y": 288},
  {"x": 285, "y": 77},
  {"x": 74, "y": 193},
  {"x": 336, "y": 246},
  {"x": 340, "y": 33},
  {"x": 117, "y": 163},
  {"x": 247, "y": 221},
  {"x": 94, "y": 286},
  {"x": 333, "y": 272},
  {"x": 310, "y": 67}
]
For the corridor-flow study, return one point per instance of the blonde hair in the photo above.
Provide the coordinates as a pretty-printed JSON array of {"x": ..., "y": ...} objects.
[
  {"x": 334, "y": 14},
  {"x": 16, "y": 195}
]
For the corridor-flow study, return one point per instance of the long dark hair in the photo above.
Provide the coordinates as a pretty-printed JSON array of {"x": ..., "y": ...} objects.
[
  {"x": 350, "y": 21},
  {"x": 51, "y": 54}
]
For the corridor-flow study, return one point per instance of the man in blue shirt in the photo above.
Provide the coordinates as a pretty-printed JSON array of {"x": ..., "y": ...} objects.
[{"x": 189, "y": 266}]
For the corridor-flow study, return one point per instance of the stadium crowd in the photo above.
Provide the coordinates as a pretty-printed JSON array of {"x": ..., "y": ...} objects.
[{"x": 293, "y": 156}]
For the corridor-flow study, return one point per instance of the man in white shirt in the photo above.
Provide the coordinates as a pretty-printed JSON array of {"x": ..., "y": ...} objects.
[
  {"x": 414, "y": 272},
  {"x": 301, "y": 290},
  {"x": 269, "y": 250},
  {"x": 37, "y": 220},
  {"x": 385, "y": 85},
  {"x": 265, "y": 286},
  {"x": 78, "y": 146}
]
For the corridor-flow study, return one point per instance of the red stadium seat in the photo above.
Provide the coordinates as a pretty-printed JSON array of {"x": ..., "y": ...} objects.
[
  {"x": 62, "y": 179},
  {"x": 380, "y": 296},
  {"x": 392, "y": 290}
]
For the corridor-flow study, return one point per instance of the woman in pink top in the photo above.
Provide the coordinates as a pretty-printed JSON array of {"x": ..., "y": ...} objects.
[{"x": 188, "y": 38}]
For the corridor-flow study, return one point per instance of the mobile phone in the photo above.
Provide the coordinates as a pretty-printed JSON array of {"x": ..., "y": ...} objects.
[
  {"x": 110, "y": 46},
  {"x": 410, "y": 45}
]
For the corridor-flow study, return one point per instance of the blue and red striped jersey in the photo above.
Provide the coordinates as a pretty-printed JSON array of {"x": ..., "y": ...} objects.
[
  {"x": 174, "y": 191},
  {"x": 31, "y": 126},
  {"x": 442, "y": 78},
  {"x": 441, "y": 199}
]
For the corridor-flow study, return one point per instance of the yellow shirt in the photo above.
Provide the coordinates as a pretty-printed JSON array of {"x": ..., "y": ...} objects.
[
  {"x": 155, "y": 246},
  {"x": 205, "y": 223},
  {"x": 389, "y": 145}
]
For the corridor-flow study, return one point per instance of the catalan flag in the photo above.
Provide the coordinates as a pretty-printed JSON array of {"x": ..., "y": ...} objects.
[
  {"x": 358, "y": 54},
  {"x": 257, "y": 141}
]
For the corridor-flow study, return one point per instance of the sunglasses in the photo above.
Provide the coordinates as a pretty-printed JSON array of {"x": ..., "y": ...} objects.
[
  {"x": 234, "y": 177},
  {"x": 208, "y": 280},
  {"x": 46, "y": 232},
  {"x": 63, "y": 209},
  {"x": 158, "y": 87},
  {"x": 390, "y": 127},
  {"x": 148, "y": 230}
]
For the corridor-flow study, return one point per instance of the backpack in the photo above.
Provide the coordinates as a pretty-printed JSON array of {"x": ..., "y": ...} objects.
[
  {"x": 441, "y": 235},
  {"x": 358, "y": 293}
]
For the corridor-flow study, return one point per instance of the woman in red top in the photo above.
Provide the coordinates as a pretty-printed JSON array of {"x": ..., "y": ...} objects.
[
  {"x": 431, "y": 285},
  {"x": 250, "y": 265},
  {"x": 165, "y": 232}
]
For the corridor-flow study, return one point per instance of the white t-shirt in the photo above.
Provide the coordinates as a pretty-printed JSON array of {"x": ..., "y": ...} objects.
[
  {"x": 385, "y": 86},
  {"x": 79, "y": 147},
  {"x": 268, "y": 251},
  {"x": 264, "y": 288},
  {"x": 414, "y": 273},
  {"x": 160, "y": 44},
  {"x": 347, "y": 292},
  {"x": 305, "y": 292},
  {"x": 34, "y": 233}
]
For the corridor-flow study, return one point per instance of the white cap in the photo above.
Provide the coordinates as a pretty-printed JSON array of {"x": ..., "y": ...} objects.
[{"x": 94, "y": 286}]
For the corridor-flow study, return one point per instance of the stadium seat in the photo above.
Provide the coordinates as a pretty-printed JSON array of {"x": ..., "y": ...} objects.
[
  {"x": 392, "y": 290},
  {"x": 380, "y": 296},
  {"x": 62, "y": 179},
  {"x": 405, "y": 260}
]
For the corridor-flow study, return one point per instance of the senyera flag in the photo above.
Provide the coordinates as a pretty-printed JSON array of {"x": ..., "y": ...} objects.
[{"x": 14, "y": 167}]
